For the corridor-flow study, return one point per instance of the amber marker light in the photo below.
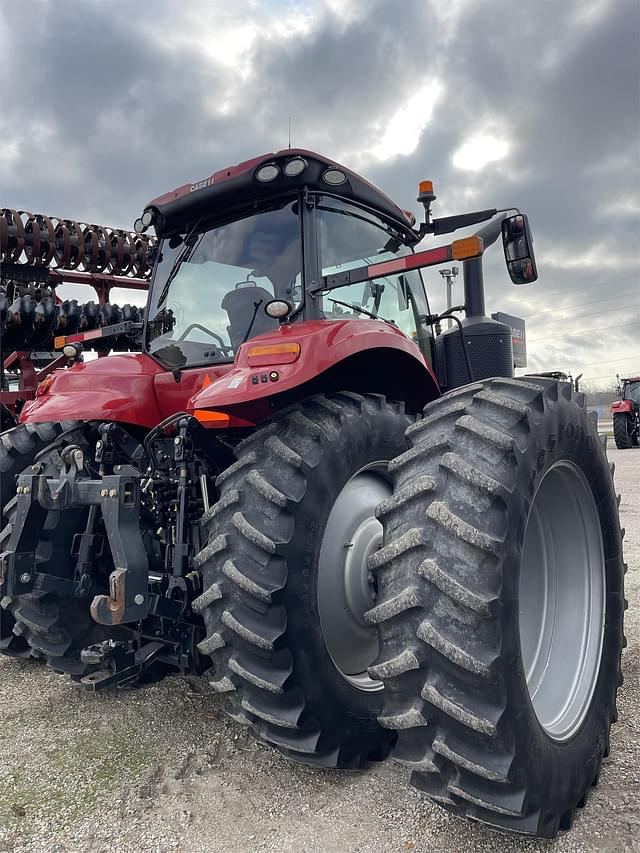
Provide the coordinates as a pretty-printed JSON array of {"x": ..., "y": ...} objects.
[
  {"x": 206, "y": 416},
  {"x": 425, "y": 186},
  {"x": 263, "y": 354},
  {"x": 467, "y": 247},
  {"x": 44, "y": 386}
]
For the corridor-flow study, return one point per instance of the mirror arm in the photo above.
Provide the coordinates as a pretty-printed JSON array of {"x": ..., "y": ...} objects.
[
  {"x": 473, "y": 282},
  {"x": 473, "y": 276},
  {"x": 493, "y": 229}
]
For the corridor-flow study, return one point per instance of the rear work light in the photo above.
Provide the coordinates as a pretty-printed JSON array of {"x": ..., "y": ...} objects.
[
  {"x": 268, "y": 172},
  {"x": 335, "y": 177},
  {"x": 260, "y": 355},
  {"x": 278, "y": 309},
  {"x": 295, "y": 166}
]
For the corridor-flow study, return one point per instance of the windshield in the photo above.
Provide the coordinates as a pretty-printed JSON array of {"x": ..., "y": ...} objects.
[
  {"x": 351, "y": 237},
  {"x": 210, "y": 287}
]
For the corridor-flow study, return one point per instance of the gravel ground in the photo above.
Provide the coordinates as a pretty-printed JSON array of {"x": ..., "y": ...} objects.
[{"x": 161, "y": 769}]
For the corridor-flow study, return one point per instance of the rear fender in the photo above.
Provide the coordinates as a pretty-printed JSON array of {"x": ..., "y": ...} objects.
[
  {"x": 621, "y": 406},
  {"x": 359, "y": 355}
]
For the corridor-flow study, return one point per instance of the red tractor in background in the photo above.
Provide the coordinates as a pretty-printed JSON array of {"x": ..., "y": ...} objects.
[
  {"x": 358, "y": 525},
  {"x": 626, "y": 413}
]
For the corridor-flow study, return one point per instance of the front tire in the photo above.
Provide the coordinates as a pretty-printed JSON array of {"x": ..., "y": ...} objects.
[
  {"x": 286, "y": 580},
  {"x": 623, "y": 431},
  {"x": 501, "y": 604}
]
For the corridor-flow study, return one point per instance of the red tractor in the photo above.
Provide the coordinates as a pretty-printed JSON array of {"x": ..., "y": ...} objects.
[
  {"x": 626, "y": 413},
  {"x": 361, "y": 527}
]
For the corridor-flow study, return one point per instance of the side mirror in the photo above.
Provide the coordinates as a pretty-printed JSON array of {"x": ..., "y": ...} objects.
[{"x": 518, "y": 249}]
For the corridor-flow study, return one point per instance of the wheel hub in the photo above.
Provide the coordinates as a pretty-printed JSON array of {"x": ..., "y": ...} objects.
[
  {"x": 360, "y": 593},
  {"x": 562, "y": 600},
  {"x": 345, "y": 587}
]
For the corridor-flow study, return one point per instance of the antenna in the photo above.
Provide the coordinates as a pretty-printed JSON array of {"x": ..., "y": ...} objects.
[{"x": 289, "y": 133}]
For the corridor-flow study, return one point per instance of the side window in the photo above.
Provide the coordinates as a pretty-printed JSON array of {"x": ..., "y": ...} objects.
[
  {"x": 349, "y": 238},
  {"x": 395, "y": 300}
]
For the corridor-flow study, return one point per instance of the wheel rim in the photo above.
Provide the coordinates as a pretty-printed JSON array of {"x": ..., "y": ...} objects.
[
  {"x": 345, "y": 588},
  {"x": 562, "y": 600}
]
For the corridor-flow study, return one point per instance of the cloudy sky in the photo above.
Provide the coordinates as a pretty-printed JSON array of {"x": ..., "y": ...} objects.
[{"x": 534, "y": 103}]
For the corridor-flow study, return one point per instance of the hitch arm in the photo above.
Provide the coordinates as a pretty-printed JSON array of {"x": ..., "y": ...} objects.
[{"x": 128, "y": 582}]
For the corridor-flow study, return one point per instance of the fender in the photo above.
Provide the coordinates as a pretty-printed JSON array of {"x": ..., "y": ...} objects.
[
  {"x": 323, "y": 346},
  {"x": 130, "y": 388},
  {"x": 622, "y": 406}
]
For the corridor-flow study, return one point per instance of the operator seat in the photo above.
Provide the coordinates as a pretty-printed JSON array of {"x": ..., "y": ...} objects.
[{"x": 240, "y": 305}]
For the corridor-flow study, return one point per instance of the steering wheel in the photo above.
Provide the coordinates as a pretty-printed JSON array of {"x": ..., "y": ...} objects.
[{"x": 204, "y": 329}]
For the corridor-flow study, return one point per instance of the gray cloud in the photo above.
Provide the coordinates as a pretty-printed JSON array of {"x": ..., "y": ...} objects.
[{"x": 106, "y": 105}]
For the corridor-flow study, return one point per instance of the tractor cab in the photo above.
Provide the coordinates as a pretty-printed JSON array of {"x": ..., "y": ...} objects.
[
  {"x": 629, "y": 389},
  {"x": 252, "y": 247},
  {"x": 265, "y": 248}
]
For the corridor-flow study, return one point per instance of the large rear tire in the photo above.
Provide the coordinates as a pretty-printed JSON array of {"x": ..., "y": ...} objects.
[
  {"x": 285, "y": 574},
  {"x": 623, "y": 430},
  {"x": 18, "y": 448},
  {"x": 501, "y": 604}
]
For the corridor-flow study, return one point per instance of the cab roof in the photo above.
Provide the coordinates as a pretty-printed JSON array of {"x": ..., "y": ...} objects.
[{"x": 235, "y": 186}]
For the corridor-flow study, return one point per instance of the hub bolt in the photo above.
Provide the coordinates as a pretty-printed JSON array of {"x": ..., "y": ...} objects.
[
  {"x": 25, "y": 577},
  {"x": 139, "y": 599}
]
